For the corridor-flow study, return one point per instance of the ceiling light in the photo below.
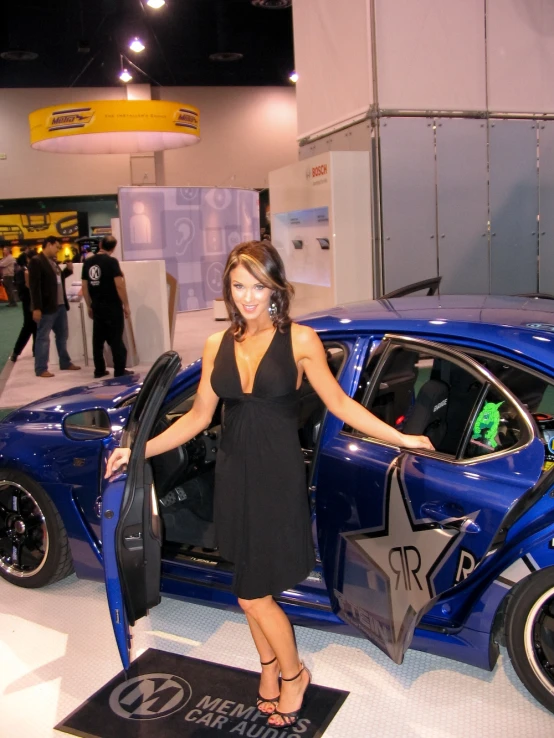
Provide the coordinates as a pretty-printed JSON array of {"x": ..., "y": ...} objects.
[
  {"x": 272, "y": 4},
  {"x": 137, "y": 45},
  {"x": 19, "y": 55},
  {"x": 226, "y": 56},
  {"x": 155, "y": 3},
  {"x": 125, "y": 76},
  {"x": 293, "y": 77}
]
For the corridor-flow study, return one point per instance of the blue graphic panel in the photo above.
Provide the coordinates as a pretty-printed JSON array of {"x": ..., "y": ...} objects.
[{"x": 192, "y": 228}]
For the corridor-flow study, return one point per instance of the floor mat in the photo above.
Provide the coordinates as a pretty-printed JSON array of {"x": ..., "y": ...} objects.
[{"x": 172, "y": 696}]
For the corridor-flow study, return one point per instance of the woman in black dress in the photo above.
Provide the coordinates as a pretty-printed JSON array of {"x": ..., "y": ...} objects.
[{"x": 261, "y": 510}]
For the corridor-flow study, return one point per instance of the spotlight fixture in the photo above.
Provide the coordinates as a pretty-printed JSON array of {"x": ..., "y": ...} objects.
[
  {"x": 226, "y": 56},
  {"x": 136, "y": 45},
  {"x": 156, "y": 4},
  {"x": 272, "y": 4},
  {"x": 19, "y": 55},
  {"x": 293, "y": 76},
  {"x": 125, "y": 76}
]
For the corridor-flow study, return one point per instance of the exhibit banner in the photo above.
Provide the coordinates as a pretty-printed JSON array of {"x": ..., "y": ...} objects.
[
  {"x": 32, "y": 228},
  {"x": 114, "y": 127},
  {"x": 193, "y": 229}
]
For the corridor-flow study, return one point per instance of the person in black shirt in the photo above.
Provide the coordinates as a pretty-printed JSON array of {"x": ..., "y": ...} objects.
[
  {"x": 108, "y": 306},
  {"x": 29, "y": 328}
]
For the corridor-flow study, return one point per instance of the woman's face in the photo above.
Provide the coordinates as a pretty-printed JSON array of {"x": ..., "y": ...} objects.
[{"x": 250, "y": 296}]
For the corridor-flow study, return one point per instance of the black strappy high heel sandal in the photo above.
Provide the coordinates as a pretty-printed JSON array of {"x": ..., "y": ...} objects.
[
  {"x": 262, "y": 700},
  {"x": 291, "y": 718}
]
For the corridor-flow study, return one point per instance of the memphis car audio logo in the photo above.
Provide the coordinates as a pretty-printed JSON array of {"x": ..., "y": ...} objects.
[
  {"x": 186, "y": 118},
  {"x": 61, "y": 120}
]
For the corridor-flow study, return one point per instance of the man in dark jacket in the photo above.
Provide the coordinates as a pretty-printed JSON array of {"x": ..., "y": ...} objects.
[{"x": 49, "y": 304}]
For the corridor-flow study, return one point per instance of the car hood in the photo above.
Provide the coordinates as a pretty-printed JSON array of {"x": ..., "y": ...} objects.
[{"x": 105, "y": 394}]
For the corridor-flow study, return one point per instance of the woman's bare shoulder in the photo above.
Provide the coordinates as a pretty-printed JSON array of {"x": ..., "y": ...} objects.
[
  {"x": 304, "y": 338},
  {"x": 213, "y": 342}
]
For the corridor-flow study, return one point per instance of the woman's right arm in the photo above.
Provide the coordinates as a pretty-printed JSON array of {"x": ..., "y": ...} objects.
[{"x": 189, "y": 425}]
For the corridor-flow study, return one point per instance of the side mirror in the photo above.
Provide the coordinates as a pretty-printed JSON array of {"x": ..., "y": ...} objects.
[{"x": 88, "y": 425}]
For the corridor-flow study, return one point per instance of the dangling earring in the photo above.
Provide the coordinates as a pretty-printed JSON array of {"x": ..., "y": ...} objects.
[{"x": 272, "y": 309}]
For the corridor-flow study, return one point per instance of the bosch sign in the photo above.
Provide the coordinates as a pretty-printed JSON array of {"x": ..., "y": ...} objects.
[{"x": 319, "y": 171}]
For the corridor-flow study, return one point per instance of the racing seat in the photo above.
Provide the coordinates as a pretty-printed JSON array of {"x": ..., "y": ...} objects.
[
  {"x": 428, "y": 415},
  {"x": 395, "y": 392},
  {"x": 463, "y": 391}
]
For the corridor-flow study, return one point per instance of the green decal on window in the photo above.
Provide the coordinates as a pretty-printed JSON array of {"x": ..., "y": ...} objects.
[{"x": 486, "y": 425}]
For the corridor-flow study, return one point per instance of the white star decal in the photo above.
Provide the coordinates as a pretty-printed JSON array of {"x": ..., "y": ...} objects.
[{"x": 407, "y": 553}]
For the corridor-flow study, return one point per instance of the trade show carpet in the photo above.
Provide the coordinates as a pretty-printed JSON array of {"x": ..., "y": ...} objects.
[{"x": 166, "y": 694}]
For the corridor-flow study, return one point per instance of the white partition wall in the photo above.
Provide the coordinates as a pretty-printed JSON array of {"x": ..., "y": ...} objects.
[
  {"x": 333, "y": 59},
  {"x": 321, "y": 224},
  {"x": 520, "y": 55},
  {"x": 430, "y": 54},
  {"x": 147, "y": 291}
]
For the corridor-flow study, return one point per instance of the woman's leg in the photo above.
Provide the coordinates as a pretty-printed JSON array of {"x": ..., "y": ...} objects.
[
  {"x": 269, "y": 678},
  {"x": 275, "y": 627}
]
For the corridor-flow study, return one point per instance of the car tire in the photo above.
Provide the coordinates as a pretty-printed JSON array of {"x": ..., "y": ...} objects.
[
  {"x": 35, "y": 530},
  {"x": 529, "y": 629}
]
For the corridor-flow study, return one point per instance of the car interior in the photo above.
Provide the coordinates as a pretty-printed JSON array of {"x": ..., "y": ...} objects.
[
  {"x": 184, "y": 477},
  {"x": 420, "y": 393}
]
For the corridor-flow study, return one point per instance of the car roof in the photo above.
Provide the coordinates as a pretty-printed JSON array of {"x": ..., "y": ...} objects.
[{"x": 523, "y": 326}]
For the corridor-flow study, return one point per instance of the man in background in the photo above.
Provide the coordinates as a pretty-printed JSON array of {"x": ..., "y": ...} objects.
[
  {"x": 7, "y": 265},
  {"x": 49, "y": 304},
  {"x": 108, "y": 305}
]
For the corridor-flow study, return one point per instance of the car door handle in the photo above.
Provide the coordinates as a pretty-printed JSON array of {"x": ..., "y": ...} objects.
[{"x": 449, "y": 516}]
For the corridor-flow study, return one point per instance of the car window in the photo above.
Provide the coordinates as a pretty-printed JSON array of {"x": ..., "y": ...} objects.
[
  {"x": 183, "y": 406},
  {"x": 498, "y": 426},
  {"x": 421, "y": 393},
  {"x": 532, "y": 390}
]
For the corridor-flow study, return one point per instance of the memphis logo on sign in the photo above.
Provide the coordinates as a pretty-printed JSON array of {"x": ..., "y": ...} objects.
[
  {"x": 70, "y": 118},
  {"x": 186, "y": 118}
]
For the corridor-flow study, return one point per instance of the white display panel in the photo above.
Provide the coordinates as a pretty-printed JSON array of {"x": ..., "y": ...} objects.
[
  {"x": 520, "y": 50},
  {"x": 147, "y": 292},
  {"x": 333, "y": 61},
  {"x": 302, "y": 238},
  {"x": 326, "y": 197},
  {"x": 431, "y": 54}
]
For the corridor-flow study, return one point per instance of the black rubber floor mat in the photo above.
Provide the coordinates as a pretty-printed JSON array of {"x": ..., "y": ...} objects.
[{"x": 167, "y": 695}]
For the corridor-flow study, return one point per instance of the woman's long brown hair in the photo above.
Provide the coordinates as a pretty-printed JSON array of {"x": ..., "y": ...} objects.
[{"x": 263, "y": 262}]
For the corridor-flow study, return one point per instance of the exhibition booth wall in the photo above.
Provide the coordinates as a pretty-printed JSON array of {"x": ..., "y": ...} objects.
[
  {"x": 321, "y": 225},
  {"x": 453, "y": 99},
  {"x": 147, "y": 332},
  {"x": 192, "y": 229},
  {"x": 246, "y": 132}
]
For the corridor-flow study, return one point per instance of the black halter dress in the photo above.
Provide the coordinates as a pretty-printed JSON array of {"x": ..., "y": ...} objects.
[{"x": 261, "y": 506}]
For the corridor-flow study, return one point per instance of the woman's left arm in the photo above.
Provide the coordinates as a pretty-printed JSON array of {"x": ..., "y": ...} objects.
[{"x": 311, "y": 355}]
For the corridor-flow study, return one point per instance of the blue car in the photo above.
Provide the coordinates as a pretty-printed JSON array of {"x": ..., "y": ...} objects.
[{"x": 449, "y": 551}]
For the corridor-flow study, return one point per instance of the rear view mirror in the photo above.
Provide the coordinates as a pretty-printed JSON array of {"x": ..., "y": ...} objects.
[{"x": 88, "y": 425}]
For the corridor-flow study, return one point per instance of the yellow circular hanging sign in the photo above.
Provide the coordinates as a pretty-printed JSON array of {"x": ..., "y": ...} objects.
[{"x": 114, "y": 127}]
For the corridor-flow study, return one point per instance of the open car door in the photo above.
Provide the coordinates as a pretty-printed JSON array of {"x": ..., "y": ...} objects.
[
  {"x": 397, "y": 529},
  {"x": 131, "y": 526}
]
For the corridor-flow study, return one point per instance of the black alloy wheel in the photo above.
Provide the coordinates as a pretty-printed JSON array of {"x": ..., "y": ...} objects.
[
  {"x": 530, "y": 635},
  {"x": 34, "y": 549}
]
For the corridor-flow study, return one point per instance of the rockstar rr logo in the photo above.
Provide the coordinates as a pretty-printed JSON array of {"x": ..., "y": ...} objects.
[{"x": 407, "y": 553}]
